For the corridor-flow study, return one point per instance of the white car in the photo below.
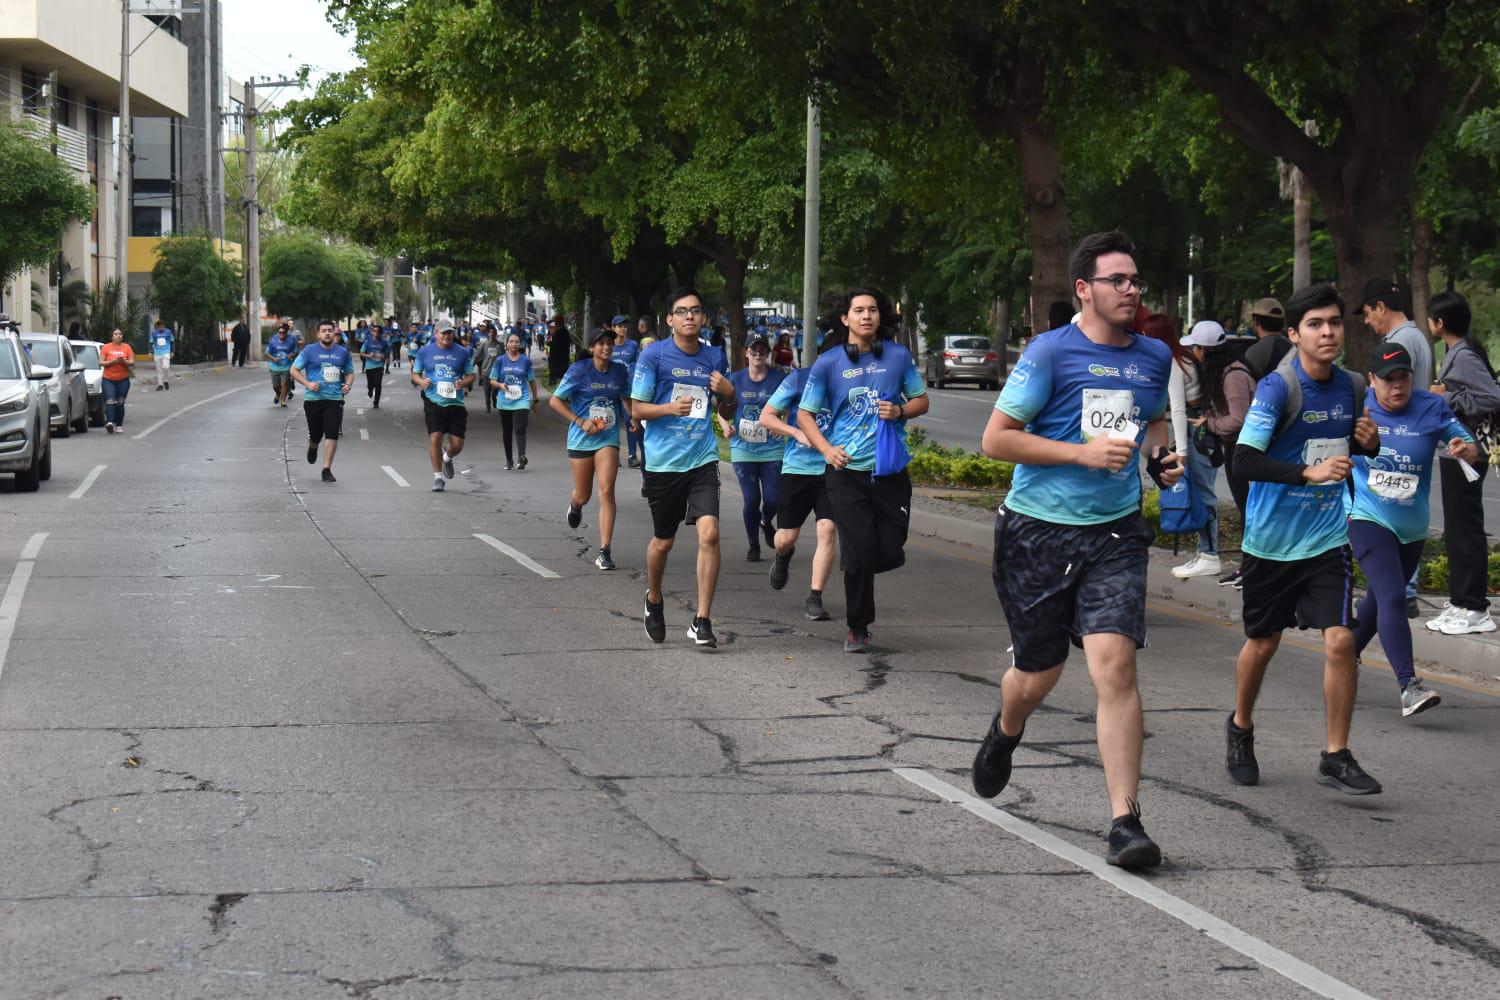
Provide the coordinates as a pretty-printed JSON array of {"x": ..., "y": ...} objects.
[
  {"x": 67, "y": 389},
  {"x": 87, "y": 354},
  {"x": 25, "y": 438}
]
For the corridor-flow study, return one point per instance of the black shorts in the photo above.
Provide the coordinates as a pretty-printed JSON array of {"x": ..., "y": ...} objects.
[
  {"x": 575, "y": 453},
  {"x": 873, "y": 517},
  {"x": 325, "y": 418},
  {"x": 450, "y": 420},
  {"x": 1060, "y": 582},
  {"x": 799, "y": 496},
  {"x": 1316, "y": 592},
  {"x": 675, "y": 497}
]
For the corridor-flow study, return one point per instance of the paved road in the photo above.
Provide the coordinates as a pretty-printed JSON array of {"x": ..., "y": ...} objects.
[{"x": 265, "y": 737}]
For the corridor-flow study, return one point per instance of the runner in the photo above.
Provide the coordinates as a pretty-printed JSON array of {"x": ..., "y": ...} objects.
[
  {"x": 486, "y": 352},
  {"x": 627, "y": 352},
  {"x": 332, "y": 369},
  {"x": 162, "y": 341},
  {"x": 675, "y": 381},
  {"x": 803, "y": 490},
  {"x": 516, "y": 395},
  {"x": 1388, "y": 526},
  {"x": 280, "y": 352},
  {"x": 872, "y": 378},
  {"x": 373, "y": 352},
  {"x": 755, "y": 454},
  {"x": 443, "y": 371},
  {"x": 594, "y": 397},
  {"x": 1295, "y": 450},
  {"x": 118, "y": 361}
]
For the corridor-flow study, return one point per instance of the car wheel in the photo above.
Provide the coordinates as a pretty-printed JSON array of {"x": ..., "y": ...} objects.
[
  {"x": 29, "y": 480},
  {"x": 96, "y": 415},
  {"x": 67, "y": 424},
  {"x": 82, "y": 426},
  {"x": 44, "y": 469}
]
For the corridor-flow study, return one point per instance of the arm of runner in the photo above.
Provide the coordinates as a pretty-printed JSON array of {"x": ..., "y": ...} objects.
[
  {"x": 775, "y": 422},
  {"x": 723, "y": 390},
  {"x": 1006, "y": 438},
  {"x": 1165, "y": 465},
  {"x": 559, "y": 405},
  {"x": 300, "y": 378},
  {"x": 727, "y": 426}
]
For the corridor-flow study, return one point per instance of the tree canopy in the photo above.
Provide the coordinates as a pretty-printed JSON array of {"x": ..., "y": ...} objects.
[{"x": 38, "y": 198}]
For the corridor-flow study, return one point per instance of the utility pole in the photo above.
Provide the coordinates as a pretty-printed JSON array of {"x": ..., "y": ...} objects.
[
  {"x": 122, "y": 175},
  {"x": 252, "y": 214},
  {"x": 55, "y": 272},
  {"x": 810, "y": 236}
]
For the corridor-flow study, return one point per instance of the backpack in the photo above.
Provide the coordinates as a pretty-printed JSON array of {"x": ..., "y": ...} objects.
[
  {"x": 1182, "y": 512},
  {"x": 1291, "y": 409}
]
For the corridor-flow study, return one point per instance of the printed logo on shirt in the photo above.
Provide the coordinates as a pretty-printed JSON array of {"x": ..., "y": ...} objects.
[
  {"x": 695, "y": 372},
  {"x": 1104, "y": 371},
  {"x": 1316, "y": 416}
]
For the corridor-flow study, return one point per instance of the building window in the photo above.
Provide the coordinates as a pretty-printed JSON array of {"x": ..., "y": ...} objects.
[
  {"x": 146, "y": 220},
  {"x": 33, "y": 92}
]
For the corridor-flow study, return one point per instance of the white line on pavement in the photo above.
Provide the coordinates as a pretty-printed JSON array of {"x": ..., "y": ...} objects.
[
  {"x": 519, "y": 557},
  {"x": 935, "y": 420},
  {"x": 88, "y": 481},
  {"x": 1275, "y": 959},
  {"x": 395, "y": 475},
  {"x": 15, "y": 591},
  {"x": 364, "y": 434},
  {"x": 193, "y": 406},
  {"x": 359, "y": 412}
]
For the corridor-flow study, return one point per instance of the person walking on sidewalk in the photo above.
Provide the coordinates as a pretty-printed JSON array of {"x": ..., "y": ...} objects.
[
  {"x": 754, "y": 453},
  {"x": 1071, "y": 546},
  {"x": 594, "y": 397},
  {"x": 513, "y": 383},
  {"x": 1227, "y": 390},
  {"x": 162, "y": 341},
  {"x": 442, "y": 371},
  {"x": 326, "y": 370},
  {"x": 118, "y": 361}
]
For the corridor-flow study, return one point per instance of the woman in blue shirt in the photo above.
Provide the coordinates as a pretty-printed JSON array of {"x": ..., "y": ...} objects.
[
  {"x": 515, "y": 397},
  {"x": 594, "y": 397},
  {"x": 754, "y": 452}
]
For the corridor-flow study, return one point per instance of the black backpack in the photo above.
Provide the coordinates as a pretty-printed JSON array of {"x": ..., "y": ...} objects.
[{"x": 1291, "y": 409}]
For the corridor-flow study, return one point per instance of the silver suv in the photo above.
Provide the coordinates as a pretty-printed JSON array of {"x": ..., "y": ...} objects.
[
  {"x": 86, "y": 352},
  {"x": 67, "y": 388},
  {"x": 25, "y": 438}
]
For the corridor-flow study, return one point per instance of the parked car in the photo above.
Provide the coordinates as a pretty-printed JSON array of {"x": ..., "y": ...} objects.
[
  {"x": 67, "y": 388},
  {"x": 87, "y": 354},
  {"x": 964, "y": 358},
  {"x": 25, "y": 437}
]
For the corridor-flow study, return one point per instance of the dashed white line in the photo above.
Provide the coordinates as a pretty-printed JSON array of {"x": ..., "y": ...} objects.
[
  {"x": 396, "y": 476},
  {"x": 359, "y": 412},
  {"x": 194, "y": 406},
  {"x": 88, "y": 481},
  {"x": 15, "y": 591},
  {"x": 518, "y": 556},
  {"x": 1273, "y": 958},
  {"x": 364, "y": 434},
  {"x": 33, "y": 545}
]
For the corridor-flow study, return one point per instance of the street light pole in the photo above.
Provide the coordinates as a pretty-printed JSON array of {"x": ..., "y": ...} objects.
[
  {"x": 122, "y": 175},
  {"x": 252, "y": 224},
  {"x": 810, "y": 237}
]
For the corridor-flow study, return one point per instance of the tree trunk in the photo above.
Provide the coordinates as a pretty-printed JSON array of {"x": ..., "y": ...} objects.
[
  {"x": 733, "y": 269},
  {"x": 1422, "y": 239},
  {"x": 1301, "y": 232},
  {"x": 1046, "y": 215},
  {"x": 1364, "y": 244},
  {"x": 1000, "y": 332}
]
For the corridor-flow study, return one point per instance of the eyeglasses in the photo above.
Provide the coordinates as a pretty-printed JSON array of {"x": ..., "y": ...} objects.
[
  {"x": 1122, "y": 283},
  {"x": 686, "y": 311}
]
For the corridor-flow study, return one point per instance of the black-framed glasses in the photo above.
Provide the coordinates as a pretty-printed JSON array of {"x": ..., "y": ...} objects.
[
  {"x": 1122, "y": 283},
  {"x": 685, "y": 311}
]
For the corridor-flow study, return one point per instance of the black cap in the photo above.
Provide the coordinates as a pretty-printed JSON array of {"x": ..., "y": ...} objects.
[
  {"x": 1379, "y": 290},
  {"x": 600, "y": 334},
  {"x": 1387, "y": 359},
  {"x": 758, "y": 337}
]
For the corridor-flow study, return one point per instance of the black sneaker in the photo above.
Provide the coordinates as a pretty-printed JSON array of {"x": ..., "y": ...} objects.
[
  {"x": 603, "y": 561},
  {"x": 781, "y": 568},
  {"x": 447, "y": 466},
  {"x": 575, "y": 518},
  {"x": 656, "y": 621},
  {"x": 312, "y": 453},
  {"x": 857, "y": 642},
  {"x": 991, "y": 771},
  {"x": 437, "y": 485},
  {"x": 814, "y": 609},
  {"x": 702, "y": 633},
  {"x": 633, "y": 462},
  {"x": 1129, "y": 847},
  {"x": 769, "y": 531},
  {"x": 1340, "y": 770},
  {"x": 1239, "y": 758},
  {"x": 1413, "y": 609},
  {"x": 1231, "y": 579},
  {"x": 328, "y": 476},
  {"x": 753, "y": 554},
  {"x": 522, "y": 463}
]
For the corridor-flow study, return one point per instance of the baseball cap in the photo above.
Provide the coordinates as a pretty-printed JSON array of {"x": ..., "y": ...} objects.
[
  {"x": 1387, "y": 359},
  {"x": 445, "y": 327},
  {"x": 620, "y": 318},
  {"x": 758, "y": 337},
  {"x": 1268, "y": 307},
  {"x": 1205, "y": 333},
  {"x": 600, "y": 334},
  {"x": 1381, "y": 290}
]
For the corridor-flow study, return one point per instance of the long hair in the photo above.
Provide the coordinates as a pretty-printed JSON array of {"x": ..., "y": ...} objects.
[
  {"x": 1159, "y": 326},
  {"x": 839, "y": 331},
  {"x": 1216, "y": 361}
]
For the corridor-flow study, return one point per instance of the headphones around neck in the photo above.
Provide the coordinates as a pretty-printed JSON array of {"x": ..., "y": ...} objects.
[{"x": 877, "y": 348}]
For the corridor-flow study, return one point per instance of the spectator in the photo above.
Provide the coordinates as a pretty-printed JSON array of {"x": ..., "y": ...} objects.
[
  {"x": 240, "y": 338},
  {"x": 1268, "y": 320},
  {"x": 1185, "y": 403},
  {"x": 559, "y": 349},
  {"x": 1228, "y": 389}
]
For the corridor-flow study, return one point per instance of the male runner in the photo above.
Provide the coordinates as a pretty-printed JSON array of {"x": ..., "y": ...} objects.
[
  {"x": 332, "y": 376},
  {"x": 162, "y": 341},
  {"x": 1070, "y": 542},
  {"x": 373, "y": 352},
  {"x": 627, "y": 352},
  {"x": 1297, "y": 567},
  {"x": 281, "y": 349},
  {"x": 443, "y": 371},
  {"x": 677, "y": 382}
]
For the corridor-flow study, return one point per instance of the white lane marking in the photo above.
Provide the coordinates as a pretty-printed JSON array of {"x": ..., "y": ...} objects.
[
  {"x": 15, "y": 591},
  {"x": 395, "y": 475},
  {"x": 359, "y": 412},
  {"x": 519, "y": 557},
  {"x": 973, "y": 397},
  {"x": 88, "y": 481},
  {"x": 1273, "y": 958},
  {"x": 194, "y": 406},
  {"x": 935, "y": 420},
  {"x": 364, "y": 434}
]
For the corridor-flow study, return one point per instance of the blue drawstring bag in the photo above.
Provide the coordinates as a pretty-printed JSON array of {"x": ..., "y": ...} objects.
[
  {"x": 891, "y": 455},
  {"x": 1181, "y": 511}
]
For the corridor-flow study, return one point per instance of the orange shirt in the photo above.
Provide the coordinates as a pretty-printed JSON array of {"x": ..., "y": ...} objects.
[{"x": 114, "y": 357}]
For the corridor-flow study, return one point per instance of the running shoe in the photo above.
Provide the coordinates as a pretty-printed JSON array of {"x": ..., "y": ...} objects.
[
  {"x": 1413, "y": 609},
  {"x": 1465, "y": 622},
  {"x": 1340, "y": 770},
  {"x": 603, "y": 561},
  {"x": 328, "y": 476},
  {"x": 752, "y": 554},
  {"x": 1129, "y": 847},
  {"x": 109, "y": 427},
  {"x": 1202, "y": 564},
  {"x": 283, "y": 404},
  {"x": 857, "y": 642},
  {"x": 575, "y": 515},
  {"x": 1232, "y": 580},
  {"x": 160, "y": 388},
  {"x": 814, "y": 609},
  {"x": 510, "y": 466},
  {"x": 522, "y": 463},
  {"x": 1436, "y": 624},
  {"x": 437, "y": 485},
  {"x": 168, "y": 387},
  {"x": 1239, "y": 758},
  {"x": 1418, "y": 697},
  {"x": 447, "y": 465},
  {"x": 781, "y": 568},
  {"x": 769, "y": 531},
  {"x": 633, "y": 462},
  {"x": 312, "y": 453},
  {"x": 656, "y": 620},
  {"x": 702, "y": 633},
  {"x": 991, "y": 771}
]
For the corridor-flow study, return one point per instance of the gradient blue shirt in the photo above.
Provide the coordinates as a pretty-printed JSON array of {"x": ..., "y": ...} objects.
[
  {"x": 798, "y": 459},
  {"x": 515, "y": 377},
  {"x": 327, "y": 366},
  {"x": 1065, "y": 387},
  {"x": 162, "y": 341},
  {"x": 374, "y": 348},
  {"x": 445, "y": 368},
  {"x": 851, "y": 392},
  {"x": 591, "y": 393},
  {"x": 279, "y": 353},
  {"x": 751, "y": 441},
  {"x": 1392, "y": 489},
  {"x": 627, "y": 354},
  {"x": 664, "y": 373}
]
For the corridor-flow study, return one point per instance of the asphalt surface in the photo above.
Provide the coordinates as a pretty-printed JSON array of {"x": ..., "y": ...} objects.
[{"x": 266, "y": 737}]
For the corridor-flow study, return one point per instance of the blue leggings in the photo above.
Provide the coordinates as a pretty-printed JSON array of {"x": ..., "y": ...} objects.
[
  {"x": 1388, "y": 563},
  {"x": 115, "y": 392},
  {"x": 760, "y": 482}
]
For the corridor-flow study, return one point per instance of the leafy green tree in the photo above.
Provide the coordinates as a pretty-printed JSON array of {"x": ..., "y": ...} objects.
[
  {"x": 195, "y": 289},
  {"x": 38, "y": 198},
  {"x": 305, "y": 276}
]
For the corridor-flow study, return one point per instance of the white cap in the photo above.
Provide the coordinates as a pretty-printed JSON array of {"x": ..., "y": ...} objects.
[{"x": 1205, "y": 333}]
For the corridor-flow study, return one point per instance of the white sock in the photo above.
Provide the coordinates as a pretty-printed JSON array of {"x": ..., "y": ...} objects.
[{"x": 446, "y": 458}]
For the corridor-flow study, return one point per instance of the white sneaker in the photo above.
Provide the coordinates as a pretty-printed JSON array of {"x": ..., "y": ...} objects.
[
  {"x": 1464, "y": 622},
  {"x": 1436, "y": 624},
  {"x": 1202, "y": 564}
]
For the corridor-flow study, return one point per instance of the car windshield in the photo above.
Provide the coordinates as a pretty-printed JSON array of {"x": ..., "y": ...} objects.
[
  {"x": 87, "y": 355},
  {"x": 969, "y": 343},
  {"x": 45, "y": 353},
  {"x": 9, "y": 365}
]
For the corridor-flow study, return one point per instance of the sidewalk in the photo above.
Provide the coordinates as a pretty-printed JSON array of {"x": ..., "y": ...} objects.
[{"x": 145, "y": 371}]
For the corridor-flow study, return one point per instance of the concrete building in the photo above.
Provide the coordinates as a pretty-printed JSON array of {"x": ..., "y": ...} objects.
[{"x": 80, "y": 41}]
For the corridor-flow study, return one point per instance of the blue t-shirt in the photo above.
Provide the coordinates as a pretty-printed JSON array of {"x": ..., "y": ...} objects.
[
  {"x": 798, "y": 459},
  {"x": 374, "y": 352},
  {"x": 279, "y": 353},
  {"x": 516, "y": 378},
  {"x": 445, "y": 368},
  {"x": 591, "y": 394},
  {"x": 162, "y": 341},
  {"x": 1392, "y": 490},
  {"x": 627, "y": 354},
  {"x": 751, "y": 441},
  {"x": 664, "y": 373},
  {"x": 327, "y": 366},
  {"x": 1288, "y": 522},
  {"x": 851, "y": 392}
]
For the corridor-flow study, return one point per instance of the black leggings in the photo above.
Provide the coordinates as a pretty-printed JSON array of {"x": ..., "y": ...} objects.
[
  {"x": 373, "y": 378},
  {"x": 1463, "y": 536},
  {"x": 514, "y": 421}
]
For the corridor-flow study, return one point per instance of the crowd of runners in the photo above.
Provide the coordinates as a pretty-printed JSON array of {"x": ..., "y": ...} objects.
[{"x": 1331, "y": 471}]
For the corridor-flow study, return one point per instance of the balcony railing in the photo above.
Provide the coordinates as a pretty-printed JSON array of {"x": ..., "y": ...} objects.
[{"x": 72, "y": 145}]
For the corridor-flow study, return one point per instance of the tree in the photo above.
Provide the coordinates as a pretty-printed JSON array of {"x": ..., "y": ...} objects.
[
  {"x": 305, "y": 276},
  {"x": 38, "y": 198},
  {"x": 99, "y": 312},
  {"x": 196, "y": 290}
]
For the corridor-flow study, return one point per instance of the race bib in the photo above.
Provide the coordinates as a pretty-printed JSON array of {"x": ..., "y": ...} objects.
[
  {"x": 751, "y": 432},
  {"x": 512, "y": 391},
  {"x": 1393, "y": 485},
  {"x": 1320, "y": 448},
  {"x": 699, "y": 396},
  {"x": 161, "y": 342},
  {"x": 447, "y": 390},
  {"x": 603, "y": 409},
  {"x": 331, "y": 373},
  {"x": 1106, "y": 412}
]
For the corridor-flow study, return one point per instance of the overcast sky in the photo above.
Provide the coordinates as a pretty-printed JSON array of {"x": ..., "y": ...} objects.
[{"x": 274, "y": 37}]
